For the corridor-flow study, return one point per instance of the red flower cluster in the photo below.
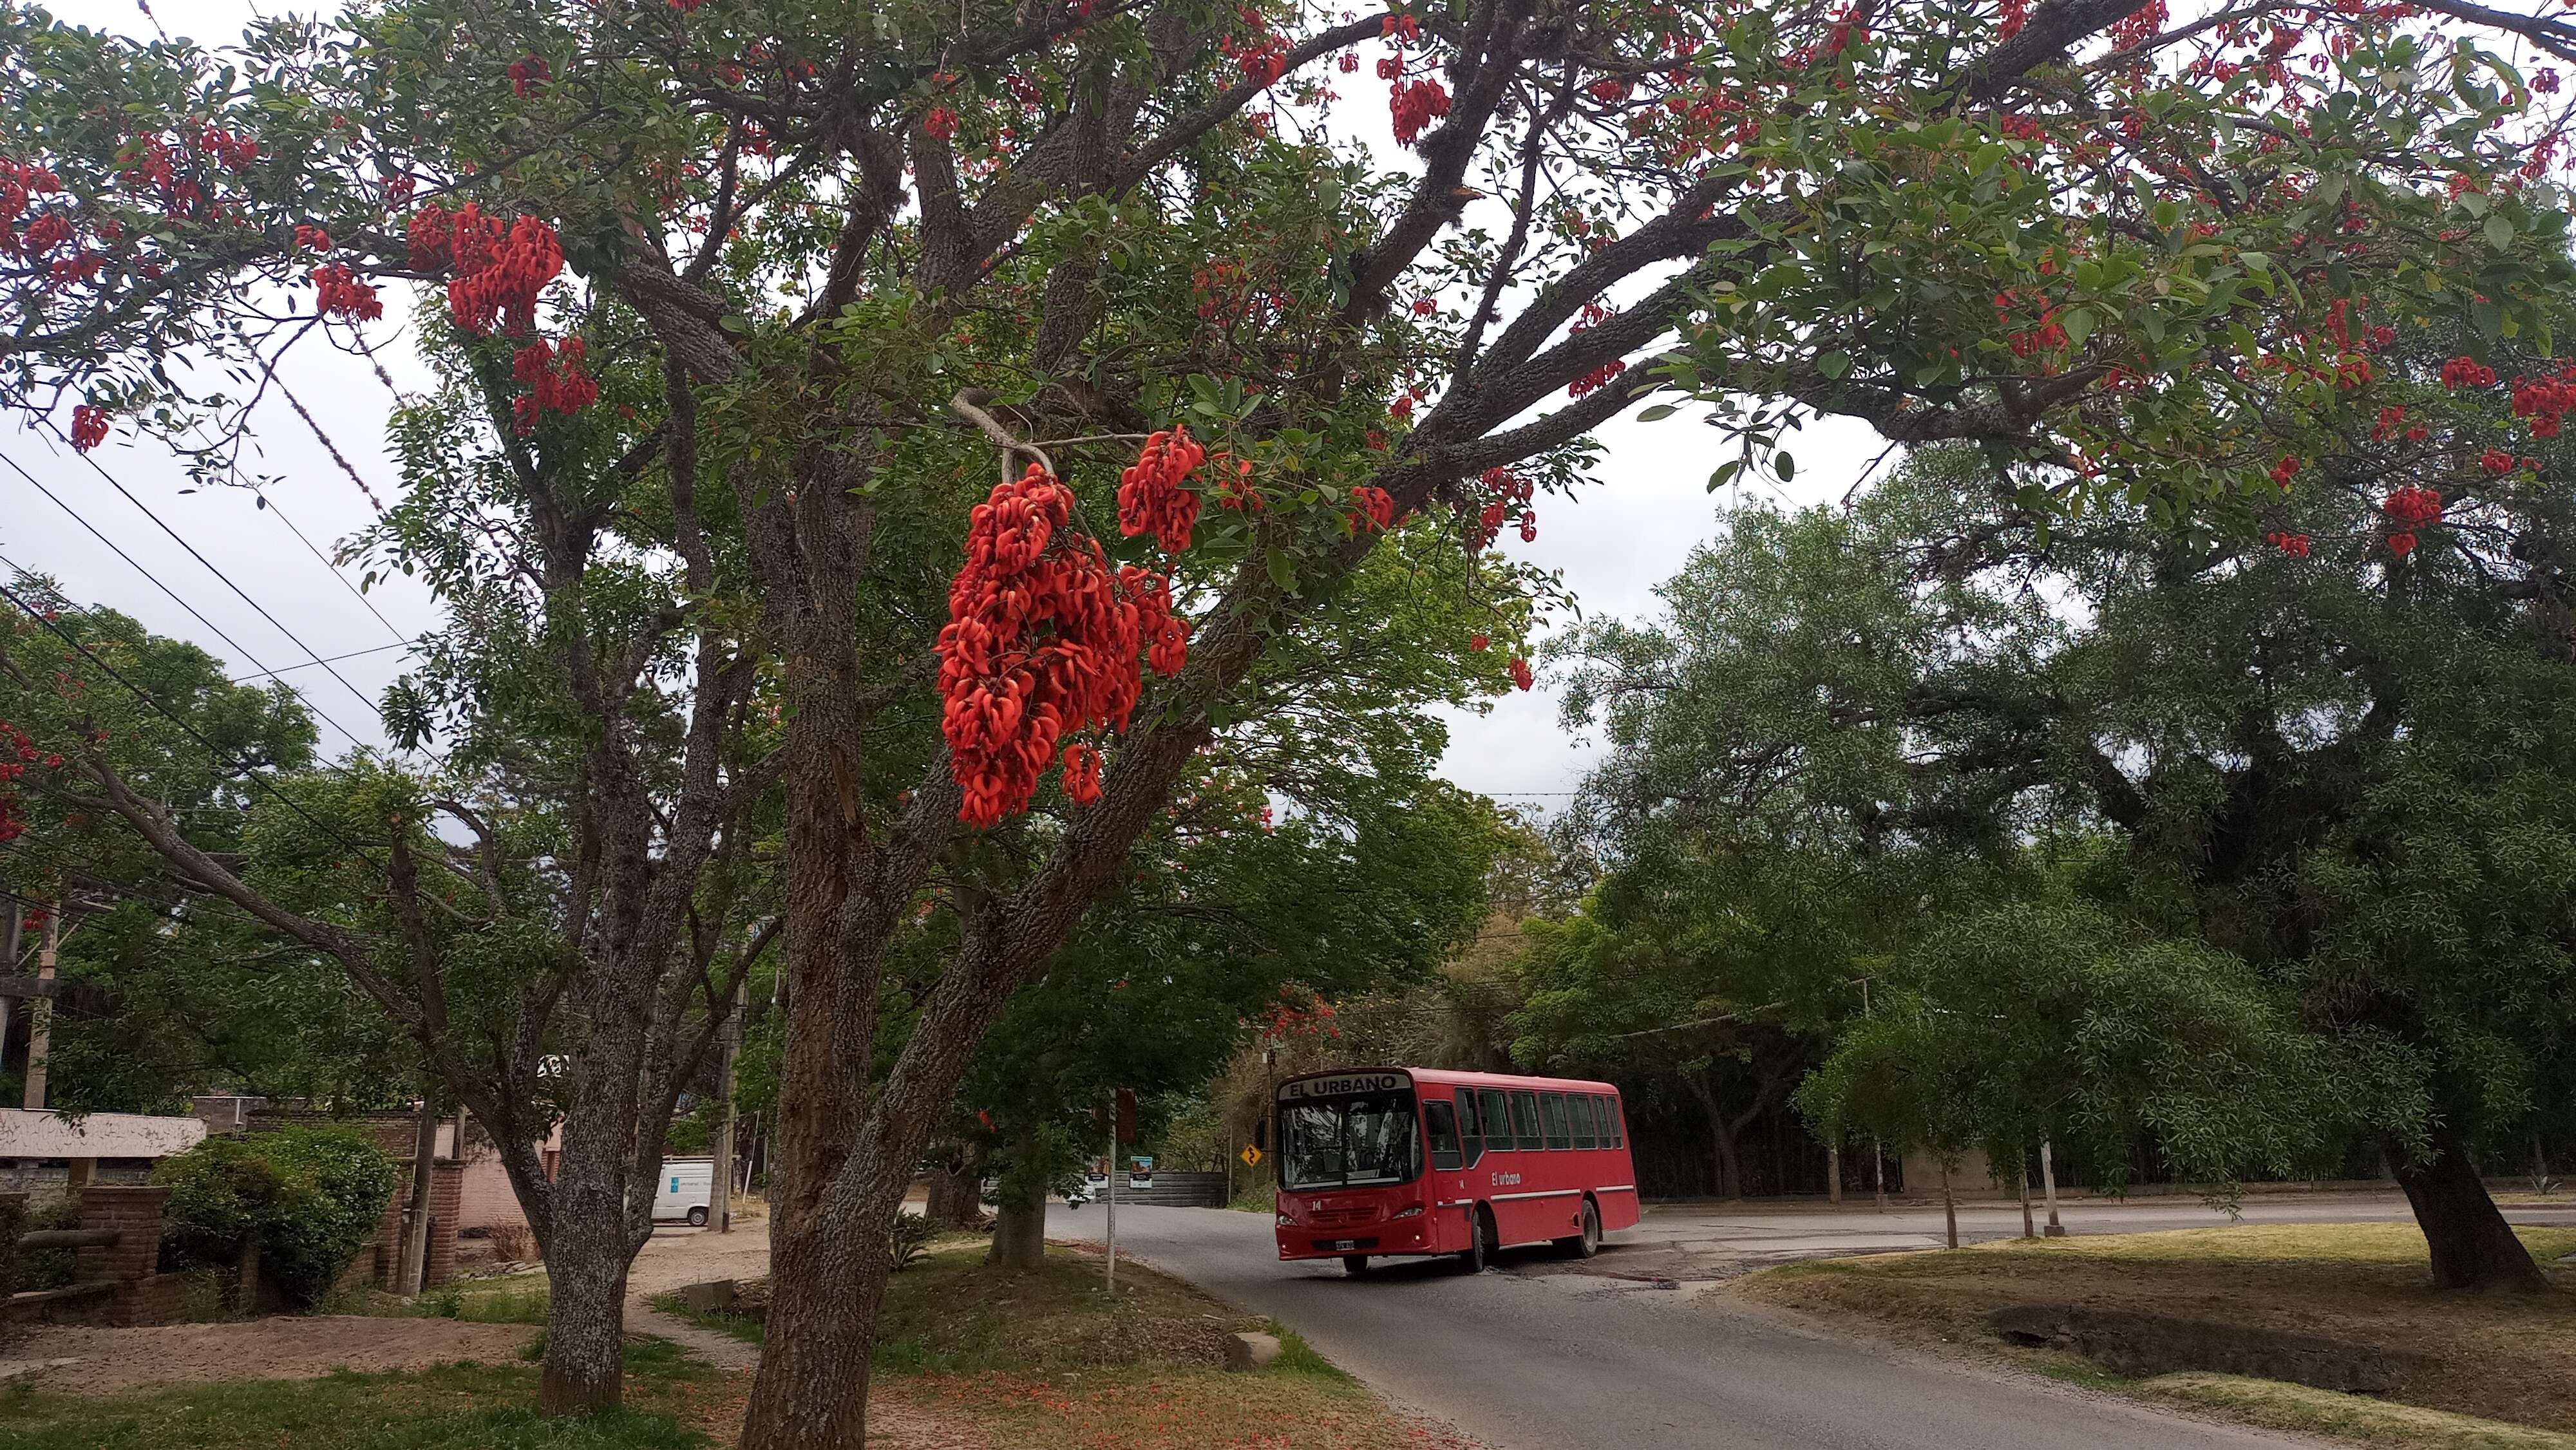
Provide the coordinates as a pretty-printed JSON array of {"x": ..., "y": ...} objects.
[
  {"x": 1377, "y": 508},
  {"x": 89, "y": 427},
  {"x": 2411, "y": 508},
  {"x": 1521, "y": 674},
  {"x": 233, "y": 153},
  {"x": 2016, "y": 14},
  {"x": 553, "y": 372},
  {"x": 12, "y": 825},
  {"x": 1041, "y": 643},
  {"x": 308, "y": 235},
  {"x": 1597, "y": 379},
  {"x": 1150, "y": 496},
  {"x": 2467, "y": 372},
  {"x": 2285, "y": 470},
  {"x": 1480, "y": 642},
  {"x": 940, "y": 121},
  {"x": 1234, "y": 486},
  {"x": 499, "y": 269},
  {"x": 2496, "y": 461},
  {"x": 529, "y": 74},
  {"x": 2389, "y": 418},
  {"x": 18, "y": 182},
  {"x": 1416, "y": 104},
  {"x": 2294, "y": 545},
  {"x": 1264, "y": 58},
  {"x": 1503, "y": 491},
  {"x": 2545, "y": 401},
  {"x": 339, "y": 293}
]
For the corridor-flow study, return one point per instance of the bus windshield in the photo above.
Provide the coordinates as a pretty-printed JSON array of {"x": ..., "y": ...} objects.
[{"x": 1348, "y": 1142}]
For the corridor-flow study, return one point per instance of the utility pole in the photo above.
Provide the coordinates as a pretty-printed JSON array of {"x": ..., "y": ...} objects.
[
  {"x": 2048, "y": 1177},
  {"x": 40, "y": 1017},
  {"x": 424, "y": 1153},
  {"x": 9, "y": 968},
  {"x": 1113, "y": 1191},
  {"x": 723, "y": 1216}
]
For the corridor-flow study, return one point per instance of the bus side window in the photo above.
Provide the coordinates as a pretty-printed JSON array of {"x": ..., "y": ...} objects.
[
  {"x": 1552, "y": 1108},
  {"x": 1440, "y": 1124},
  {"x": 1580, "y": 1104},
  {"x": 1471, "y": 1134},
  {"x": 1618, "y": 1129},
  {"x": 1525, "y": 1120},
  {"x": 1497, "y": 1118},
  {"x": 1608, "y": 1136}
]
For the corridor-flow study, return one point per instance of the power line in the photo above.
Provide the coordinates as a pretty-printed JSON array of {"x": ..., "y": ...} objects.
[
  {"x": 182, "y": 542},
  {"x": 268, "y": 505},
  {"x": 335, "y": 659},
  {"x": 166, "y": 589},
  {"x": 212, "y": 748}
]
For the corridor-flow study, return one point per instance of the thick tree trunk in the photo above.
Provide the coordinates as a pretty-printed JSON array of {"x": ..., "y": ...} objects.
[
  {"x": 1019, "y": 1236},
  {"x": 825, "y": 1290},
  {"x": 1730, "y": 1164},
  {"x": 2472, "y": 1246},
  {"x": 956, "y": 1190},
  {"x": 586, "y": 1260}
]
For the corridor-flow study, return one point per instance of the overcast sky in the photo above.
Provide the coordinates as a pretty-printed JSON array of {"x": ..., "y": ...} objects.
[{"x": 1613, "y": 543}]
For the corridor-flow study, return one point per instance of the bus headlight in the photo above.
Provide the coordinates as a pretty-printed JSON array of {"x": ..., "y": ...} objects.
[{"x": 1414, "y": 1212}]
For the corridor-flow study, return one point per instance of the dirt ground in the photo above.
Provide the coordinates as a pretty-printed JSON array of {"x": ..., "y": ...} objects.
[{"x": 112, "y": 1361}]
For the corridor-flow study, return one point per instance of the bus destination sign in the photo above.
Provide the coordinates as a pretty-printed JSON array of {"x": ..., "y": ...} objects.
[{"x": 1345, "y": 1085}]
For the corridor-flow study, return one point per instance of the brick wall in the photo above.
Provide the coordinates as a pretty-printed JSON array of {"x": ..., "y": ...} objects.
[
  {"x": 133, "y": 1212},
  {"x": 446, "y": 1189},
  {"x": 143, "y": 1294}
]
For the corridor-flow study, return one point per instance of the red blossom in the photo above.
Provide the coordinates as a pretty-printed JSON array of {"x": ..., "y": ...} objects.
[
  {"x": 1521, "y": 678},
  {"x": 89, "y": 427},
  {"x": 1150, "y": 496}
]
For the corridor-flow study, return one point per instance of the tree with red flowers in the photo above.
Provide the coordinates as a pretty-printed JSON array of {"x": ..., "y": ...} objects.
[{"x": 872, "y": 255}]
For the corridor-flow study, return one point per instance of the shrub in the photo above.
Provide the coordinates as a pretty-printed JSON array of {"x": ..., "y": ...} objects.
[
  {"x": 310, "y": 1196},
  {"x": 912, "y": 1235}
]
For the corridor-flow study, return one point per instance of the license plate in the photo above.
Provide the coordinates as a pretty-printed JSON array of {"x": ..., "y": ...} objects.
[{"x": 1346, "y": 1243}]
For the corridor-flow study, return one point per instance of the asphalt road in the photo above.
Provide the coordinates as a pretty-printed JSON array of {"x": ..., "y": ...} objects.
[{"x": 1549, "y": 1361}]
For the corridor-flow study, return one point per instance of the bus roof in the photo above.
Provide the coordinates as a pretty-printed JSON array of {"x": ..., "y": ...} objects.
[{"x": 1447, "y": 1077}]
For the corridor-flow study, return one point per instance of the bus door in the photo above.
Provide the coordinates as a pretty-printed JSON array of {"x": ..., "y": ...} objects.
[{"x": 1449, "y": 1133}]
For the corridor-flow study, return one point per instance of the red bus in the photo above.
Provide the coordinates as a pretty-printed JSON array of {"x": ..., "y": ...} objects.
[{"x": 1408, "y": 1161}]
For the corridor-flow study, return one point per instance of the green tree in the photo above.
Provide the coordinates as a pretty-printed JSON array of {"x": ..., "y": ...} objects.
[
  {"x": 2331, "y": 764},
  {"x": 166, "y": 988},
  {"x": 840, "y": 236}
]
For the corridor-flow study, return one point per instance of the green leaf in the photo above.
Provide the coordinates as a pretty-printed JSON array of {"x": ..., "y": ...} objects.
[
  {"x": 2499, "y": 230},
  {"x": 1719, "y": 476},
  {"x": 1282, "y": 572},
  {"x": 1787, "y": 465},
  {"x": 1835, "y": 365},
  {"x": 1657, "y": 413},
  {"x": 2078, "y": 325}
]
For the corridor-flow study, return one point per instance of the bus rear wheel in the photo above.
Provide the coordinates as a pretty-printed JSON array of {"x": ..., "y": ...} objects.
[
  {"x": 1354, "y": 1264},
  {"x": 1587, "y": 1242}
]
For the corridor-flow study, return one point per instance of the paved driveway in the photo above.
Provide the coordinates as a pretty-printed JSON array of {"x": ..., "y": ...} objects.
[{"x": 1542, "y": 1361}]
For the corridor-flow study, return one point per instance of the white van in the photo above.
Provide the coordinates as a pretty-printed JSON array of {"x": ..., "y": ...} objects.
[{"x": 686, "y": 1189}]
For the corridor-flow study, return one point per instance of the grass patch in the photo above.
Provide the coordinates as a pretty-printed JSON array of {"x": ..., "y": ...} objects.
[
  {"x": 671, "y": 1401},
  {"x": 1199, "y": 1409},
  {"x": 1260, "y": 1197},
  {"x": 2501, "y": 1359},
  {"x": 2277, "y": 1406},
  {"x": 510, "y": 1299},
  {"x": 1296, "y": 1356},
  {"x": 745, "y": 1327}
]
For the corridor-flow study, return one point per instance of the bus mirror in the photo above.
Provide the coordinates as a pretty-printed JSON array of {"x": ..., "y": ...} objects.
[{"x": 1261, "y": 1135}]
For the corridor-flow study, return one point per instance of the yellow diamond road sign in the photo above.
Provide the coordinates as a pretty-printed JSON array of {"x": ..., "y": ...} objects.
[{"x": 1251, "y": 1156}]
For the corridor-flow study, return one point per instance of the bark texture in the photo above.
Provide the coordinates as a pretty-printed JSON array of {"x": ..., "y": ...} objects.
[{"x": 2472, "y": 1245}]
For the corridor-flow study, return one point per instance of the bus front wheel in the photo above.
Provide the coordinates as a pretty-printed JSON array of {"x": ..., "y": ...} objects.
[{"x": 1481, "y": 1241}]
